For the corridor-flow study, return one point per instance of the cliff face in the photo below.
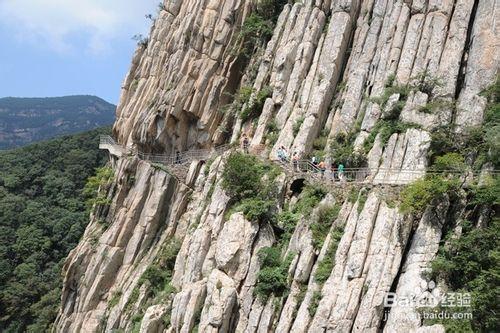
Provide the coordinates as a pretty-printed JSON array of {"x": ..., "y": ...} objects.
[{"x": 330, "y": 68}]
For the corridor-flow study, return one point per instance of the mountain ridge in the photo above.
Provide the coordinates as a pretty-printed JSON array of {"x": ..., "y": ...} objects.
[{"x": 25, "y": 120}]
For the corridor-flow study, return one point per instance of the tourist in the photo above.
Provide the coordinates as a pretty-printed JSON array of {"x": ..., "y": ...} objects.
[
  {"x": 279, "y": 153},
  {"x": 295, "y": 161},
  {"x": 177, "y": 157},
  {"x": 341, "y": 172},
  {"x": 285, "y": 154},
  {"x": 332, "y": 172},
  {"x": 322, "y": 168},
  {"x": 245, "y": 143}
]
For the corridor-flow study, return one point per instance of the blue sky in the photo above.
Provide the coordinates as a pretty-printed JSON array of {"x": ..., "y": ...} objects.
[{"x": 68, "y": 47}]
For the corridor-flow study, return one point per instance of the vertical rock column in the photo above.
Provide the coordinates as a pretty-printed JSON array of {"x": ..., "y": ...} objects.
[{"x": 482, "y": 64}]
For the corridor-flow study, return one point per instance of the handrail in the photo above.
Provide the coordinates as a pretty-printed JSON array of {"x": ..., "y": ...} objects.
[
  {"x": 374, "y": 175},
  {"x": 168, "y": 159}
]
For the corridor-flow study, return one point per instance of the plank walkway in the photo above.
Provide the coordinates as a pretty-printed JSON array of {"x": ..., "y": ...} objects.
[{"x": 178, "y": 164}]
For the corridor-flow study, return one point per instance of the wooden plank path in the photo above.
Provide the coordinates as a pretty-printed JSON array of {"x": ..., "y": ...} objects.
[{"x": 178, "y": 165}]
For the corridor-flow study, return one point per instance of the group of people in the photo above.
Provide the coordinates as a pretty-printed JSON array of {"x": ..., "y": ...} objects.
[
  {"x": 282, "y": 154},
  {"x": 334, "y": 172}
]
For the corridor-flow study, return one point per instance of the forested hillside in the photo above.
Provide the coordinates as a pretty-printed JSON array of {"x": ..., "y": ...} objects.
[
  {"x": 27, "y": 120},
  {"x": 42, "y": 217}
]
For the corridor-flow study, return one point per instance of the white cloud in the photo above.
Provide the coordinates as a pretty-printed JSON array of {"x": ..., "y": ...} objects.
[{"x": 58, "y": 24}]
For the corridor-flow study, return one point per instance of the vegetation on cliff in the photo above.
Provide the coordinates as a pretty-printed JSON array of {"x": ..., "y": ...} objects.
[
  {"x": 468, "y": 258},
  {"x": 42, "y": 217},
  {"x": 470, "y": 264},
  {"x": 243, "y": 180}
]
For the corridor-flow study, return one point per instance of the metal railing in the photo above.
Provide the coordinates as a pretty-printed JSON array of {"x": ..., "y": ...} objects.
[
  {"x": 304, "y": 168},
  {"x": 183, "y": 157},
  {"x": 390, "y": 176},
  {"x": 107, "y": 142}
]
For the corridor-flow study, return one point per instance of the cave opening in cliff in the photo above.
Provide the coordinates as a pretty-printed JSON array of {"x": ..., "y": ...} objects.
[{"x": 297, "y": 186}]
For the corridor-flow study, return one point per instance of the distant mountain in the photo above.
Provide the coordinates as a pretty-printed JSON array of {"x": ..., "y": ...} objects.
[{"x": 27, "y": 120}]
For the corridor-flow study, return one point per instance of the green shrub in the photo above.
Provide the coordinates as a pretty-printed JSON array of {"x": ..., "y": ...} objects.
[
  {"x": 395, "y": 111},
  {"x": 342, "y": 151},
  {"x": 320, "y": 142},
  {"x": 243, "y": 95},
  {"x": 320, "y": 228},
  {"x": 326, "y": 265},
  {"x": 353, "y": 195},
  {"x": 270, "y": 9},
  {"x": 161, "y": 167},
  {"x": 242, "y": 179},
  {"x": 436, "y": 106},
  {"x": 471, "y": 263},
  {"x": 299, "y": 298},
  {"x": 443, "y": 141},
  {"x": 255, "y": 30},
  {"x": 487, "y": 194},
  {"x": 492, "y": 93},
  {"x": 254, "y": 106},
  {"x": 168, "y": 255},
  {"x": 272, "y": 137},
  {"x": 309, "y": 198},
  {"x": 159, "y": 274},
  {"x": 416, "y": 196},
  {"x": 136, "y": 321},
  {"x": 134, "y": 296},
  {"x": 95, "y": 187},
  {"x": 296, "y": 126},
  {"x": 270, "y": 256},
  {"x": 272, "y": 278},
  {"x": 242, "y": 176},
  {"x": 479, "y": 144},
  {"x": 390, "y": 80},
  {"x": 259, "y": 25},
  {"x": 382, "y": 100},
  {"x": 327, "y": 214},
  {"x": 313, "y": 306},
  {"x": 272, "y": 126},
  {"x": 272, "y": 132},
  {"x": 115, "y": 298},
  {"x": 426, "y": 82},
  {"x": 208, "y": 164},
  {"x": 287, "y": 221},
  {"x": 256, "y": 209},
  {"x": 363, "y": 196},
  {"x": 386, "y": 128},
  {"x": 449, "y": 162}
]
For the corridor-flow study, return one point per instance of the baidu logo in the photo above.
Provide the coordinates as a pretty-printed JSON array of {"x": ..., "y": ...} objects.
[{"x": 427, "y": 295}]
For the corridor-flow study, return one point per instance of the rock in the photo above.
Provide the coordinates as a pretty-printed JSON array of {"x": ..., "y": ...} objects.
[
  {"x": 482, "y": 65},
  {"x": 234, "y": 246},
  {"x": 152, "y": 321},
  {"x": 423, "y": 248},
  {"x": 404, "y": 158},
  {"x": 187, "y": 304},
  {"x": 219, "y": 304}
]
